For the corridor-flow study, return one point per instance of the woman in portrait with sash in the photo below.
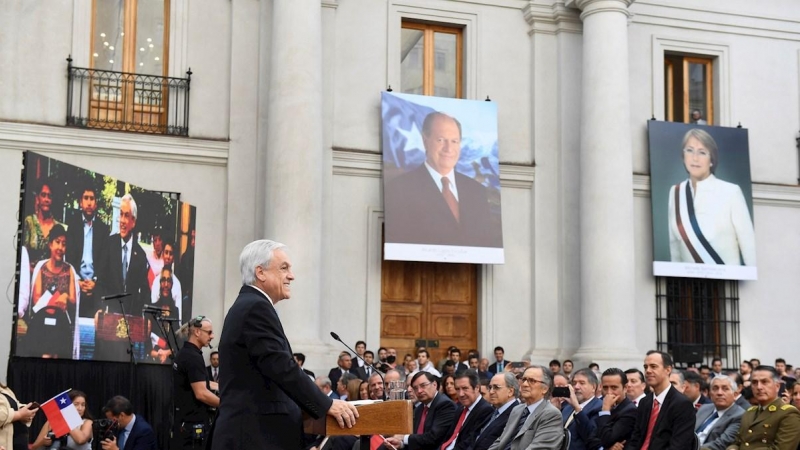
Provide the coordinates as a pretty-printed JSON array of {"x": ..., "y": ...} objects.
[{"x": 709, "y": 222}]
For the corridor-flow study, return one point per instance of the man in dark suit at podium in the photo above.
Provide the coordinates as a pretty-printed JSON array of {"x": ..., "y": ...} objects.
[
  {"x": 434, "y": 203},
  {"x": 262, "y": 388},
  {"x": 123, "y": 270}
]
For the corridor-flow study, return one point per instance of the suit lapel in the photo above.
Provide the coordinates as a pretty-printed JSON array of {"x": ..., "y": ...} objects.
[
  {"x": 252, "y": 290},
  {"x": 531, "y": 417}
]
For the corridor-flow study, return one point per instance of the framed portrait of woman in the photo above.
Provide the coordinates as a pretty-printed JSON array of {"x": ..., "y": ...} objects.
[{"x": 701, "y": 195}]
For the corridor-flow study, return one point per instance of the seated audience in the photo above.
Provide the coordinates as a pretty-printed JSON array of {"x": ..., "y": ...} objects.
[
  {"x": 617, "y": 417},
  {"x": 718, "y": 423}
]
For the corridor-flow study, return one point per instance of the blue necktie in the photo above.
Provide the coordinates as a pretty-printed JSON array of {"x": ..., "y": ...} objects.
[
  {"x": 708, "y": 421},
  {"x": 125, "y": 268},
  {"x": 121, "y": 440}
]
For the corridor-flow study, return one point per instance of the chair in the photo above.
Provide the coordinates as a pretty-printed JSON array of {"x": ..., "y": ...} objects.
[{"x": 567, "y": 439}]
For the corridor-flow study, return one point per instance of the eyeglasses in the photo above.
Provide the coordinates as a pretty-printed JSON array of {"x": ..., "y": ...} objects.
[
  {"x": 495, "y": 387},
  {"x": 207, "y": 331},
  {"x": 530, "y": 380},
  {"x": 421, "y": 386}
]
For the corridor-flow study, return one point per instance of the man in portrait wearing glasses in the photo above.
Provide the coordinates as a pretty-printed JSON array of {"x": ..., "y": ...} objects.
[
  {"x": 262, "y": 388},
  {"x": 503, "y": 392},
  {"x": 536, "y": 423},
  {"x": 433, "y": 417},
  {"x": 190, "y": 383}
]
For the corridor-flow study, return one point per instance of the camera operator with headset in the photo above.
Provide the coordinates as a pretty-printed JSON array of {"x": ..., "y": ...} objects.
[{"x": 190, "y": 381}]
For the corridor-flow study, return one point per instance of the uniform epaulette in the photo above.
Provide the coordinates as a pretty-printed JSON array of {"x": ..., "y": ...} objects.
[
  {"x": 752, "y": 408},
  {"x": 785, "y": 407}
]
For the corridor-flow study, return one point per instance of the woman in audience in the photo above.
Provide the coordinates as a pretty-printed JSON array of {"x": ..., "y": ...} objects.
[
  {"x": 79, "y": 438},
  {"x": 363, "y": 391},
  {"x": 353, "y": 387},
  {"x": 448, "y": 387},
  {"x": 14, "y": 420}
]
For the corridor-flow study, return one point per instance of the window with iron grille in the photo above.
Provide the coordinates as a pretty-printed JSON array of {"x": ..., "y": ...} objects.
[{"x": 697, "y": 320}]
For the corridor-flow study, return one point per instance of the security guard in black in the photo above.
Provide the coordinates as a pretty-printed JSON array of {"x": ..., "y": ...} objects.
[{"x": 192, "y": 397}]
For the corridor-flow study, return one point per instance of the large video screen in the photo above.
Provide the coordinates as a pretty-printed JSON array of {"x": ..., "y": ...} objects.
[
  {"x": 441, "y": 180},
  {"x": 100, "y": 261},
  {"x": 702, "y": 201}
]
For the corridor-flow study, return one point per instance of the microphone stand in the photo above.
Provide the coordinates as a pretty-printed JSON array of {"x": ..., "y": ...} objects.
[
  {"x": 130, "y": 346},
  {"x": 166, "y": 329}
]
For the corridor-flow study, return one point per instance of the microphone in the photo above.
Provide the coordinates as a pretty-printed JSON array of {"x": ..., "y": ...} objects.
[
  {"x": 210, "y": 346},
  {"x": 336, "y": 336},
  {"x": 115, "y": 296}
]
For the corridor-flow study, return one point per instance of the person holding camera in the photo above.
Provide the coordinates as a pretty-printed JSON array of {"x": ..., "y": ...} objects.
[
  {"x": 79, "y": 438},
  {"x": 131, "y": 431},
  {"x": 190, "y": 380}
]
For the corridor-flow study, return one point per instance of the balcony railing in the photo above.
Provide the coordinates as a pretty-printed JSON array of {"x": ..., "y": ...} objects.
[{"x": 111, "y": 100}]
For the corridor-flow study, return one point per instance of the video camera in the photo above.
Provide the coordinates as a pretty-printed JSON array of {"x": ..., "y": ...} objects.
[{"x": 104, "y": 429}]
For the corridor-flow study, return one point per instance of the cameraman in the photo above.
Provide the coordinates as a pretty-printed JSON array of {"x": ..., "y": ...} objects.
[
  {"x": 192, "y": 396},
  {"x": 133, "y": 432}
]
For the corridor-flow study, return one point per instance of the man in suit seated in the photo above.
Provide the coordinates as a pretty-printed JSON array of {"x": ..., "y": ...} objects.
[
  {"x": 503, "y": 392},
  {"x": 616, "y": 419},
  {"x": 134, "y": 433},
  {"x": 500, "y": 363},
  {"x": 636, "y": 387},
  {"x": 87, "y": 236},
  {"x": 300, "y": 359},
  {"x": 435, "y": 204},
  {"x": 344, "y": 364},
  {"x": 471, "y": 415},
  {"x": 433, "y": 417},
  {"x": 536, "y": 423},
  {"x": 717, "y": 424},
  {"x": 673, "y": 424},
  {"x": 580, "y": 411},
  {"x": 324, "y": 385},
  {"x": 691, "y": 389},
  {"x": 737, "y": 396}
]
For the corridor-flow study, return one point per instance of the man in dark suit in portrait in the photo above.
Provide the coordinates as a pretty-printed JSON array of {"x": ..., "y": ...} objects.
[
  {"x": 433, "y": 417},
  {"x": 665, "y": 417},
  {"x": 503, "y": 392},
  {"x": 262, "y": 389},
  {"x": 87, "y": 236},
  {"x": 134, "y": 433},
  {"x": 617, "y": 417},
  {"x": 123, "y": 270},
  {"x": 717, "y": 423},
  {"x": 435, "y": 204}
]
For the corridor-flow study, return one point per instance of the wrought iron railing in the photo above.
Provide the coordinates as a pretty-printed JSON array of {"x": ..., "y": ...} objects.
[
  {"x": 111, "y": 100},
  {"x": 697, "y": 320}
]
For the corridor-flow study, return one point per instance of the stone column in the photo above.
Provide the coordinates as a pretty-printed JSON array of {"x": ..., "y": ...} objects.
[
  {"x": 293, "y": 172},
  {"x": 608, "y": 329}
]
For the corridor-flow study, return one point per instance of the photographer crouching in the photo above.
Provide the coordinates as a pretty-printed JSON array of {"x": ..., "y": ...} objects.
[
  {"x": 123, "y": 429},
  {"x": 192, "y": 394}
]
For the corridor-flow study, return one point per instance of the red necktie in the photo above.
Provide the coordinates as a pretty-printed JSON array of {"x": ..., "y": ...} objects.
[
  {"x": 421, "y": 426},
  {"x": 449, "y": 197},
  {"x": 458, "y": 428},
  {"x": 697, "y": 405},
  {"x": 651, "y": 424}
]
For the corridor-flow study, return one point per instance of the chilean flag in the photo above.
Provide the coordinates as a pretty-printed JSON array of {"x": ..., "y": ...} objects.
[
  {"x": 158, "y": 341},
  {"x": 62, "y": 414}
]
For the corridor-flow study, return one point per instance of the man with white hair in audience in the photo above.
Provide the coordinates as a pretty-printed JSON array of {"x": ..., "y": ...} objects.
[{"x": 717, "y": 423}]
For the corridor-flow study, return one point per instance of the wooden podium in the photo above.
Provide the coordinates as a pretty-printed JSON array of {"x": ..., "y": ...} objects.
[{"x": 391, "y": 417}]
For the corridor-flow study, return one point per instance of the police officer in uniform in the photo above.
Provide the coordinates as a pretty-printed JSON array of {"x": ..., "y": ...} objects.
[
  {"x": 190, "y": 381},
  {"x": 772, "y": 424}
]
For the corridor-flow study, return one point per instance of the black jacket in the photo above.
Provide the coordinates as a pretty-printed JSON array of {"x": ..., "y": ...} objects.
[
  {"x": 440, "y": 419},
  {"x": 674, "y": 428}
]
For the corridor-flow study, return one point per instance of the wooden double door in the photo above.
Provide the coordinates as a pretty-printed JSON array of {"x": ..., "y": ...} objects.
[{"x": 431, "y": 302}]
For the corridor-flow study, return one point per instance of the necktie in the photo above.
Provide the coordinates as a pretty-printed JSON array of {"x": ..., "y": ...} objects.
[
  {"x": 500, "y": 366},
  {"x": 495, "y": 415},
  {"x": 121, "y": 440},
  {"x": 708, "y": 421},
  {"x": 449, "y": 197},
  {"x": 525, "y": 413},
  {"x": 421, "y": 426},
  {"x": 216, "y": 375},
  {"x": 458, "y": 428},
  {"x": 697, "y": 405},
  {"x": 125, "y": 267},
  {"x": 651, "y": 423}
]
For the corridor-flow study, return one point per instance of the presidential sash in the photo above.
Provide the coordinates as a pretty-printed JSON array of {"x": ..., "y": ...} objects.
[{"x": 702, "y": 252}]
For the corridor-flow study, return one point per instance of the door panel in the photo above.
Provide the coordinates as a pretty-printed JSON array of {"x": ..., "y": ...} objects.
[{"x": 430, "y": 301}]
